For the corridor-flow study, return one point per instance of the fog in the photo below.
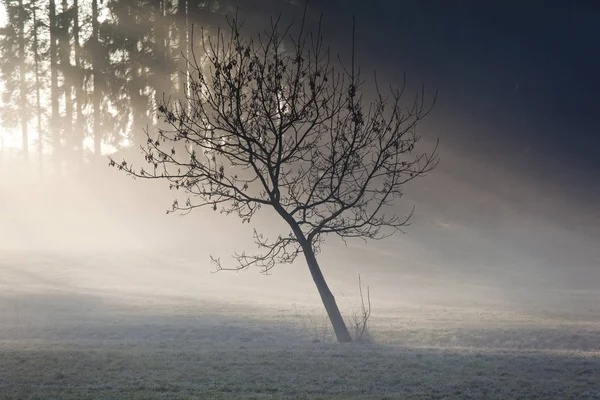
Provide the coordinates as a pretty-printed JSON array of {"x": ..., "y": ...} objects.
[
  {"x": 107, "y": 235},
  {"x": 498, "y": 270}
]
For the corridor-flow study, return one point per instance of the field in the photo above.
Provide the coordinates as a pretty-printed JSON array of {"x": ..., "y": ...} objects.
[{"x": 65, "y": 335}]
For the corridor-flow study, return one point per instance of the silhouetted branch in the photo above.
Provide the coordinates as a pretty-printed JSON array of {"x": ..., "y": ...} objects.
[{"x": 288, "y": 129}]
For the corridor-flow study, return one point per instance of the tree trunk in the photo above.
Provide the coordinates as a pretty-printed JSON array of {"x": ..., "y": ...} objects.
[
  {"x": 96, "y": 81},
  {"x": 333, "y": 311},
  {"x": 160, "y": 73},
  {"x": 38, "y": 103},
  {"x": 22, "y": 82},
  {"x": 137, "y": 83},
  {"x": 182, "y": 25},
  {"x": 339, "y": 326},
  {"x": 55, "y": 124},
  {"x": 79, "y": 95},
  {"x": 139, "y": 104},
  {"x": 65, "y": 66}
]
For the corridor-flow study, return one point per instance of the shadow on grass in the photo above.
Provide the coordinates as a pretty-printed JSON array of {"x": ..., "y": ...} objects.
[{"x": 76, "y": 346}]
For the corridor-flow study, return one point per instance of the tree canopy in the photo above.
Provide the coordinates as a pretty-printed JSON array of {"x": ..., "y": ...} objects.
[{"x": 274, "y": 121}]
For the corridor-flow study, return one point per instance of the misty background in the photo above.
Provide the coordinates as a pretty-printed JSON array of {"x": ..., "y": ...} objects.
[{"x": 509, "y": 220}]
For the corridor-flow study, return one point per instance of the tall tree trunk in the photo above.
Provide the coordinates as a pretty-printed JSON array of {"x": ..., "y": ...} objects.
[
  {"x": 333, "y": 311},
  {"x": 96, "y": 81},
  {"x": 139, "y": 108},
  {"x": 55, "y": 118},
  {"x": 38, "y": 102},
  {"x": 194, "y": 25},
  {"x": 79, "y": 95},
  {"x": 136, "y": 86},
  {"x": 65, "y": 61},
  {"x": 182, "y": 30},
  {"x": 23, "y": 82},
  {"x": 160, "y": 52}
]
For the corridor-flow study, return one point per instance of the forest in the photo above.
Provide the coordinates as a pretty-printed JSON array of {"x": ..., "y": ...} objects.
[
  {"x": 490, "y": 292},
  {"x": 82, "y": 78}
]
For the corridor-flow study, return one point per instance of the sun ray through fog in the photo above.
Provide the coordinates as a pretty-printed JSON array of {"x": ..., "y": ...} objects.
[{"x": 103, "y": 292}]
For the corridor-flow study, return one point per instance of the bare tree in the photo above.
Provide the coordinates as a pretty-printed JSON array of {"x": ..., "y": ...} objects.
[{"x": 291, "y": 131}]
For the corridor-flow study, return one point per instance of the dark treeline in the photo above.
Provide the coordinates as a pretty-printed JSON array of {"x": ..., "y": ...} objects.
[{"x": 87, "y": 74}]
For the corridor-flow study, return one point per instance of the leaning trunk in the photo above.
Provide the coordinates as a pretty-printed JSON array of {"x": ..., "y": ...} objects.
[
  {"x": 339, "y": 326},
  {"x": 333, "y": 311}
]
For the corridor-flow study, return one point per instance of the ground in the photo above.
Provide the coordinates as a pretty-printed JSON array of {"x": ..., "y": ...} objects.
[{"x": 60, "y": 339}]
